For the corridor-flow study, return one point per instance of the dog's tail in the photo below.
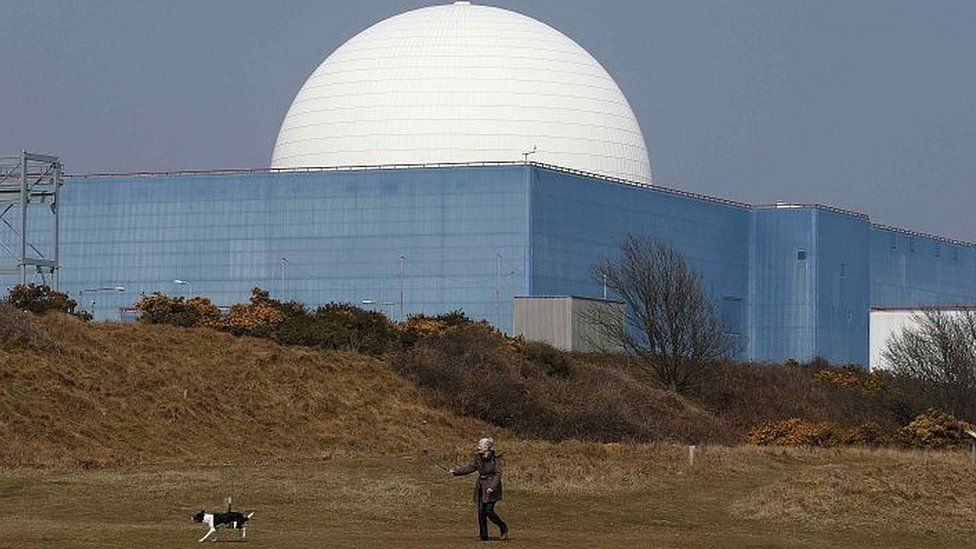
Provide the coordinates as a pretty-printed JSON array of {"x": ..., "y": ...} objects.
[{"x": 249, "y": 515}]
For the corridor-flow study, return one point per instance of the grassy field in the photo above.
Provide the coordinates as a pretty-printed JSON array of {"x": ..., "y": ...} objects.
[
  {"x": 563, "y": 495},
  {"x": 117, "y": 436}
]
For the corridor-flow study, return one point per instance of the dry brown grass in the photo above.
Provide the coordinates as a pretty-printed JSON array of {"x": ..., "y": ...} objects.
[
  {"x": 19, "y": 330},
  {"x": 569, "y": 494},
  {"x": 119, "y": 394},
  {"x": 139, "y": 426},
  {"x": 926, "y": 493}
]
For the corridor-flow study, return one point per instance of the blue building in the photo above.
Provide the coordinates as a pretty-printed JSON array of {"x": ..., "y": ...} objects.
[
  {"x": 792, "y": 280},
  {"x": 457, "y": 156}
]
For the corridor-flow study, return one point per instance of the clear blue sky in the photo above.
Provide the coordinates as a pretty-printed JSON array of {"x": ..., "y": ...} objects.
[{"x": 867, "y": 105}]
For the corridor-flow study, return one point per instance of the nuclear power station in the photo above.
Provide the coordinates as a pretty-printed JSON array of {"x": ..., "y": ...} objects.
[{"x": 460, "y": 156}]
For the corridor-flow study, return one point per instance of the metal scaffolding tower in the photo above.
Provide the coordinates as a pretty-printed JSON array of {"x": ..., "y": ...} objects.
[{"x": 29, "y": 189}]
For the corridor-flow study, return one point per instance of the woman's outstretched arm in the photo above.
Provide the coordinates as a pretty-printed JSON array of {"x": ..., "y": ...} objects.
[{"x": 464, "y": 470}]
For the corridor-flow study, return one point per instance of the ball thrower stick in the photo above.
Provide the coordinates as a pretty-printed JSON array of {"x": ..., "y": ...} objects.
[{"x": 430, "y": 459}]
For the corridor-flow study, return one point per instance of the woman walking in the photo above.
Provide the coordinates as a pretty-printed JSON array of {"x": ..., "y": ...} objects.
[{"x": 488, "y": 486}]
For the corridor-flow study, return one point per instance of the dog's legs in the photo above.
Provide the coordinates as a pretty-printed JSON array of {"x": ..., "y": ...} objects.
[
  {"x": 243, "y": 532},
  {"x": 212, "y": 530}
]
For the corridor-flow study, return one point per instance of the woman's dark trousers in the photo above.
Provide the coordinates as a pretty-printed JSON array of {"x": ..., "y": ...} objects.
[{"x": 486, "y": 512}]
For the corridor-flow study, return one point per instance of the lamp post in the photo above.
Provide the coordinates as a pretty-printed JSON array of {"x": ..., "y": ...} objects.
[
  {"x": 498, "y": 289},
  {"x": 281, "y": 283},
  {"x": 525, "y": 154},
  {"x": 189, "y": 287},
  {"x": 403, "y": 260},
  {"x": 498, "y": 276}
]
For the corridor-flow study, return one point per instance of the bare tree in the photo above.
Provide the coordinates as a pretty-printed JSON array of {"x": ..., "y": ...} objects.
[
  {"x": 669, "y": 322},
  {"x": 939, "y": 348}
]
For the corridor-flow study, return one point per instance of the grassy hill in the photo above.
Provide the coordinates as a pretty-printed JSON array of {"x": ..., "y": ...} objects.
[{"x": 130, "y": 393}]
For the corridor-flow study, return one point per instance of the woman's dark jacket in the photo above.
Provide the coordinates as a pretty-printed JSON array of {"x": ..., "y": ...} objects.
[{"x": 489, "y": 471}]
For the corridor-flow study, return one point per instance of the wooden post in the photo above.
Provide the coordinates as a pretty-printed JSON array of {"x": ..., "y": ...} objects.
[{"x": 972, "y": 446}]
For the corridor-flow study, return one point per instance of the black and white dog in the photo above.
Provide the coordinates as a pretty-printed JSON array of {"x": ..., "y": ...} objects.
[{"x": 233, "y": 519}]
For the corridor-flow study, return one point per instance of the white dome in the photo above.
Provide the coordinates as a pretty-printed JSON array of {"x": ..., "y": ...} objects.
[{"x": 462, "y": 83}]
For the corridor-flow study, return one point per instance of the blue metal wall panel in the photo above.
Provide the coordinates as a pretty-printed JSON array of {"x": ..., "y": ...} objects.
[
  {"x": 782, "y": 281},
  {"x": 842, "y": 314},
  {"x": 578, "y": 221},
  {"x": 913, "y": 270},
  {"x": 342, "y": 234},
  {"x": 809, "y": 284}
]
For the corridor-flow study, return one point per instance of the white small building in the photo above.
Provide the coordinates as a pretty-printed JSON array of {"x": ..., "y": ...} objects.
[{"x": 888, "y": 321}]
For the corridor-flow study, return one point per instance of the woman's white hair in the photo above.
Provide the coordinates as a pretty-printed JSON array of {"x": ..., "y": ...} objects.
[{"x": 487, "y": 442}]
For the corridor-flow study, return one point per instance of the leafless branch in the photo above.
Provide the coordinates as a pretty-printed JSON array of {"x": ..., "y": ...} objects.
[
  {"x": 939, "y": 348},
  {"x": 669, "y": 322}
]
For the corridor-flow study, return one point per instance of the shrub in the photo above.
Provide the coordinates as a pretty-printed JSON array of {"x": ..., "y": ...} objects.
[
  {"x": 17, "y": 330},
  {"x": 931, "y": 429},
  {"x": 332, "y": 326},
  {"x": 824, "y": 434},
  {"x": 910, "y": 396},
  {"x": 852, "y": 377},
  {"x": 259, "y": 317},
  {"x": 470, "y": 372},
  {"x": 866, "y": 434},
  {"x": 550, "y": 360},
  {"x": 797, "y": 432},
  {"x": 159, "y": 308},
  {"x": 41, "y": 299},
  {"x": 343, "y": 326},
  {"x": 750, "y": 394},
  {"x": 420, "y": 327},
  {"x": 934, "y": 429}
]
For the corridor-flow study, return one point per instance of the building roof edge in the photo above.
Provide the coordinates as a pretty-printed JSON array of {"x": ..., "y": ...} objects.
[{"x": 550, "y": 167}]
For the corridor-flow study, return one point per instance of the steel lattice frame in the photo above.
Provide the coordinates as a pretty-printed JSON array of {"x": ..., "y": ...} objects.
[{"x": 29, "y": 189}]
